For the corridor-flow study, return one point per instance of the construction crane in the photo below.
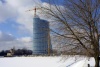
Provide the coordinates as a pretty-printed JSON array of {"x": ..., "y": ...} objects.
[{"x": 35, "y": 9}]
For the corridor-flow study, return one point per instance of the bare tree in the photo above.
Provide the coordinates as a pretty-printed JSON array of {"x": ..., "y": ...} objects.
[{"x": 79, "y": 22}]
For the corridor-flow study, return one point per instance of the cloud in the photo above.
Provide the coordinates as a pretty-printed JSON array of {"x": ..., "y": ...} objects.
[
  {"x": 25, "y": 39},
  {"x": 8, "y": 41},
  {"x": 6, "y": 37},
  {"x": 6, "y": 12},
  {"x": 15, "y": 9}
]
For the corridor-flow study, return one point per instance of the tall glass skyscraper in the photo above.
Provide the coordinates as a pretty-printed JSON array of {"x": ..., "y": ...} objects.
[{"x": 41, "y": 37}]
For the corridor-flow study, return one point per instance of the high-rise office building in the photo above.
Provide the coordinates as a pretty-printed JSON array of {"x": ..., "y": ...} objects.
[{"x": 41, "y": 36}]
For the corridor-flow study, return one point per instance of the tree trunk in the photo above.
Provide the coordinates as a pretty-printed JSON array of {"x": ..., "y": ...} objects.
[{"x": 96, "y": 61}]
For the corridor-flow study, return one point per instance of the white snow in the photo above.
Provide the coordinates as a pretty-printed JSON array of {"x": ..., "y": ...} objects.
[
  {"x": 44, "y": 62},
  {"x": 84, "y": 63}
]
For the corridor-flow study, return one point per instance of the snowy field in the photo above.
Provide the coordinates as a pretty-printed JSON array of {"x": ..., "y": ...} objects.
[{"x": 44, "y": 62}]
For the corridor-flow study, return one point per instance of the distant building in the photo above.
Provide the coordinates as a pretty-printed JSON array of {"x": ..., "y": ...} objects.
[
  {"x": 10, "y": 53},
  {"x": 41, "y": 37}
]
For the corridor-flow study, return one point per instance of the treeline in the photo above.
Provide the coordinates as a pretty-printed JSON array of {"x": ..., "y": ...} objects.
[{"x": 17, "y": 52}]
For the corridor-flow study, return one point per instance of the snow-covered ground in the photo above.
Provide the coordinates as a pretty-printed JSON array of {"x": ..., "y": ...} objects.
[{"x": 44, "y": 62}]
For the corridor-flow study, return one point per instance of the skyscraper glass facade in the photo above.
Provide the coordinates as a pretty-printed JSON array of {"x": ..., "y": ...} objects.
[{"x": 41, "y": 36}]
